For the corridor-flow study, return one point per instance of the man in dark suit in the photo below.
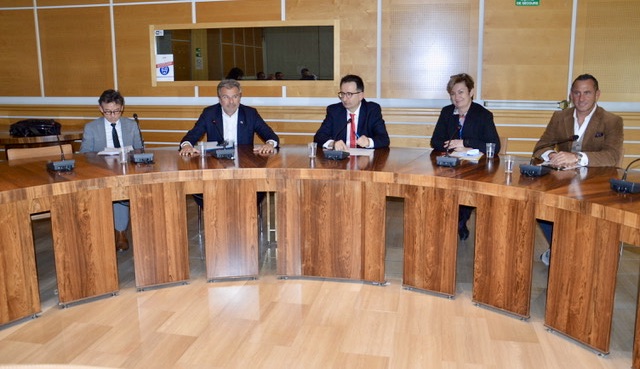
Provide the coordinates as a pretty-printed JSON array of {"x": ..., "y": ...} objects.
[
  {"x": 228, "y": 120},
  {"x": 114, "y": 131},
  {"x": 337, "y": 131},
  {"x": 600, "y": 137}
]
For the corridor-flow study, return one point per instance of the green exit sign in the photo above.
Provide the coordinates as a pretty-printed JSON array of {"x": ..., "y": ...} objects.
[{"x": 527, "y": 2}]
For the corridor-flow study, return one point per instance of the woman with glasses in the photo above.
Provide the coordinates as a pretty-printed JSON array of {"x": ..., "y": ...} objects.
[
  {"x": 354, "y": 121},
  {"x": 462, "y": 126},
  {"x": 113, "y": 131}
]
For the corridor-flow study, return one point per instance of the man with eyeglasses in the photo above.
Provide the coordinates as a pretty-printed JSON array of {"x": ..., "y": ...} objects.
[
  {"x": 354, "y": 121},
  {"x": 228, "y": 120},
  {"x": 113, "y": 131}
]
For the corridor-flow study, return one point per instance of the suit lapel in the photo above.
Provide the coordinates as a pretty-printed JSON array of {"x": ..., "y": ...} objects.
[
  {"x": 219, "y": 122},
  {"x": 595, "y": 126},
  {"x": 362, "y": 117},
  {"x": 241, "y": 133}
]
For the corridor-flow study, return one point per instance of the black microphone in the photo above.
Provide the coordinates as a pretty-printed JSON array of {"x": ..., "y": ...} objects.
[
  {"x": 446, "y": 160},
  {"x": 141, "y": 158},
  {"x": 624, "y": 186},
  {"x": 62, "y": 165},
  {"x": 336, "y": 154},
  {"x": 531, "y": 170},
  {"x": 224, "y": 152}
]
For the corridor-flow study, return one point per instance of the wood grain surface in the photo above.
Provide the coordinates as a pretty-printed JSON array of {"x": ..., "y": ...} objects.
[{"x": 331, "y": 224}]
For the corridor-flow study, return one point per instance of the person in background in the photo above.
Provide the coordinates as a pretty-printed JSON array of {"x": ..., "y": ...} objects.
[
  {"x": 113, "y": 131},
  {"x": 307, "y": 75},
  {"x": 279, "y": 75},
  {"x": 338, "y": 130},
  {"x": 235, "y": 73},
  {"x": 229, "y": 120},
  {"x": 462, "y": 126},
  {"x": 600, "y": 138},
  {"x": 260, "y": 76}
]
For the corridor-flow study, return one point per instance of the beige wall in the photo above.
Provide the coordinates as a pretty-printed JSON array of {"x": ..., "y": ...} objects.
[{"x": 525, "y": 56}]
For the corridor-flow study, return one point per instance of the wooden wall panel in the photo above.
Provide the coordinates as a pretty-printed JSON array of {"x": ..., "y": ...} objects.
[
  {"x": 526, "y": 50},
  {"x": 133, "y": 55},
  {"x": 73, "y": 2},
  {"x": 358, "y": 29},
  {"x": 18, "y": 59},
  {"x": 430, "y": 41},
  {"x": 17, "y": 3},
  {"x": 76, "y": 51},
  {"x": 607, "y": 46},
  {"x": 240, "y": 10}
]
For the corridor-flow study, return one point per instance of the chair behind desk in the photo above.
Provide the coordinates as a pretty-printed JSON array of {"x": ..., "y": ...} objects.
[{"x": 38, "y": 152}]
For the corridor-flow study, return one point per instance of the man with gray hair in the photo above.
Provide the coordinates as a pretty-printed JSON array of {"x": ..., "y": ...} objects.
[{"x": 229, "y": 120}]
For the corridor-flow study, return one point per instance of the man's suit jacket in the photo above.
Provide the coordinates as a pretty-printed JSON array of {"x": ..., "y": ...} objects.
[
  {"x": 249, "y": 122},
  {"x": 477, "y": 131},
  {"x": 94, "y": 138},
  {"x": 601, "y": 142},
  {"x": 370, "y": 124}
]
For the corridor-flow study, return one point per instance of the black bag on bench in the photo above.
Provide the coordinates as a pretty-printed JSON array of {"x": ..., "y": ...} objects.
[{"x": 35, "y": 127}]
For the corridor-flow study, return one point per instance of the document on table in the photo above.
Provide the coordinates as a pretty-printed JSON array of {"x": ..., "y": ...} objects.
[
  {"x": 360, "y": 152},
  {"x": 114, "y": 151},
  {"x": 473, "y": 155}
]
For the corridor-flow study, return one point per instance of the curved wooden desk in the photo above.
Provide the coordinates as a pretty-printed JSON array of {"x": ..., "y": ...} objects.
[{"x": 316, "y": 237}]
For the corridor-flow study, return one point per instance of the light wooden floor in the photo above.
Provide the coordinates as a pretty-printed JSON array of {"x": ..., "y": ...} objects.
[{"x": 273, "y": 323}]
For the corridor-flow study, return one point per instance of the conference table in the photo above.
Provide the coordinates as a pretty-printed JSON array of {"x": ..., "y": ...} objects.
[{"x": 330, "y": 224}]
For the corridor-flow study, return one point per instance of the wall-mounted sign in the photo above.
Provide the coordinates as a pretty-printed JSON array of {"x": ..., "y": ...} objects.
[
  {"x": 164, "y": 67},
  {"x": 527, "y": 2}
]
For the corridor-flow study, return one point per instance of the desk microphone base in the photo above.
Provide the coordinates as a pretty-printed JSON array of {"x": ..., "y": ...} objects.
[
  {"x": 228, "y": 153},
  {"x": 62, "y": 165},
  {"x": 143, "y": 158},
  {"x": 530, "y": 170},
  {"x": 447, "y": 161},
  {"x": 335, "y": 154},
  {"x": 621, "y": 186}
]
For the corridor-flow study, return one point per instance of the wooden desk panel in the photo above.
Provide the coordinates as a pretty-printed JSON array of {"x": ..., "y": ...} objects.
[
  {"x": 430, "y": 239},
  {"x": 503, "y": 261},
  {"x": 159, "y": 229},
  {"x": 342, "y": 229},
  {"x": 19, "y": 294},
  {"x": 83, "y": 245},
  {"x": 582, "y": 278},
  {"x": 230, "y": 251}
]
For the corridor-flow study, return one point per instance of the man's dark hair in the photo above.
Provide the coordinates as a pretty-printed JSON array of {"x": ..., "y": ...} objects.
[
  {"x": 586, "y": 77},
  {"x": 353, "y": 78},
  {"x": 111, "y": 96}
]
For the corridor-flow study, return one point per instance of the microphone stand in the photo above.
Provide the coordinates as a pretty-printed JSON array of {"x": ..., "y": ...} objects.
[
  {"x": 446, "y": 160},
  {"x": 624, "y": 186},
  {"x": 225, "y": 152},
  {"x": 531, "y": 170},
  {"x": 62, "y": 165},
  {"x": 337, "y": 154},
  {"x": 141, "y": 158}
]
